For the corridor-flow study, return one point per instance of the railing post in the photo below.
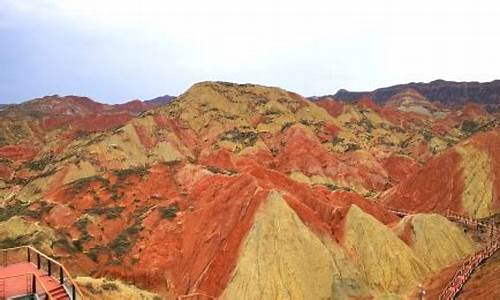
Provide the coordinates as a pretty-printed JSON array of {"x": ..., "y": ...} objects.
[
  {"x": 73, "y": 292},
  {"x": 29, "y": 254},
  {"x": 38, "y": 260},
  {"x": 33, "y": 284},
  {"x": 61, "y": 275},
  {"x": 49, "y": 266}
]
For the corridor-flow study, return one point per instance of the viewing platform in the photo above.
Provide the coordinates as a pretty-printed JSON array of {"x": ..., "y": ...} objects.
[{"x": 26, "y": 273}]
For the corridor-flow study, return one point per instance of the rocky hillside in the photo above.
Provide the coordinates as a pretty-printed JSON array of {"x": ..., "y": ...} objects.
[
  {"x": 465, "y": 179},
  {"x": 251, "y": 192}
]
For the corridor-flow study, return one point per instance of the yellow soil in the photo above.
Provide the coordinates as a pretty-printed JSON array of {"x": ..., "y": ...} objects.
[
  {"x": 24, "y": 233},
  {"x": 437, "y": 241},
  {"x": 80, "y": 170},
  {"x": 388, "y": 264},
  {"x": 105, "y": 289},
  {"x": 281, "y": 258},
  {"x": 477, "y": 197}
]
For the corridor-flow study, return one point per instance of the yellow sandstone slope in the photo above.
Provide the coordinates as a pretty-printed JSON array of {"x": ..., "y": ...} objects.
[
  {"x": 435, "y": 240},
  {"x": 281, "y": 258},
  {"x": 388, "y": 264},
  {"x": 477, "y": 198}
]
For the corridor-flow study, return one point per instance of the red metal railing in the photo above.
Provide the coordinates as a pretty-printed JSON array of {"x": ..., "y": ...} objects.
[
  {"x": 469, "y": 265},
  {"x": 43, "y": 262},
  {"x": 465, "y": 271},
  {"x": 25, "y": 284}
]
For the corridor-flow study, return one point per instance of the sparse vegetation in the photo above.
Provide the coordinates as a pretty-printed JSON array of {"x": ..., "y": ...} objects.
[
  {"x": 93, "y": 253},
  {"x": 121, "y": 244},
  {"x": 110, "y": 286},
  {"x": 218, "y": 170},
  {"x": 10, "y": 243},
  {"x": 5, "y": 161},
  {"x": 171, "y": 163},
  {"x": 470, "y": 127},
  {"x": 308, "y": 123},
  {"x": 365, "y": 123},
  {"x": 64, "y": 244},
  {"x": 108, "y": 212},
  {"x": 82, "y": 224},
  {"x": 352, "y": 147},
  {"x": 247, "y": 138},
  {"x": 427, "y": 136},
  {"x": 123, "y": 174},
  {"x": 82, "y": 184},
  {"x": 18, "y": 131},
  {"x": 337, "y": 140},
  {"x": 286, "y": 126},
  {"x": 18, "y": 208},
  {"x": 40, "y": 164},
  {"x": 330, "y": 186},
  {"x": 169, "y": 212},
  {"x": 78, "y": 245},
  {"x": 90, "y": 287}
]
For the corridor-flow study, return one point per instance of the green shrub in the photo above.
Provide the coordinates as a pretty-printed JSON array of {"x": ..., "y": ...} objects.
[
  {"x": 331, "y": 186},
  {"x": 110, "y": 286},
  {"x": 286, "y": 126},
  {"x": 169, "y": 212},
  {"x": 82, "y": 224},
  {"x": 121, "y": 244},
  {"x": 134, "y": 229},
  {"x": 352, "y": 147},
  {"x": 94, "y": 253},
  {"x": 171, "y": 163},
  {"x": 39, "y": 165},
  {"x": 218, "y": 170},
  {"x": 247, "y": 138},
  {"x": 123, "y": 174},
  {"x": 427, "y": 136},
  {"x": 337, "y": 140},
  {"x": 78, "y": 245},
  {"x": 470, "y": 127},
  {"x": 5, "y": 161},
  {"x": 82, "y": 184},
  {"x": 89, "y": 287},
  {"x": 109, "y": 212},
  {"x": 16, "y": 208}
]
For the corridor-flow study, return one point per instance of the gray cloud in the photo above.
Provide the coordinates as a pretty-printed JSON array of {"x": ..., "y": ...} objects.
[{"x": 115, "y": 51}]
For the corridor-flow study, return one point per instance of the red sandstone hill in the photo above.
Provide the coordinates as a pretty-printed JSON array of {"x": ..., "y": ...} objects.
[
  {"x": 465, "y": 179},
  {"x": 248, "y": 192}
]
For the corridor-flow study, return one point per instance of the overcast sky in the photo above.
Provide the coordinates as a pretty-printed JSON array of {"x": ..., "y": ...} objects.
[{"x": 118, "y": 50}]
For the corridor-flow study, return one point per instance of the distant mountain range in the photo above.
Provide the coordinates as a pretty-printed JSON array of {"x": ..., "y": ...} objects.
[
  {"x": 131, "y": 106},
  {"x": 446, "y": 92}
]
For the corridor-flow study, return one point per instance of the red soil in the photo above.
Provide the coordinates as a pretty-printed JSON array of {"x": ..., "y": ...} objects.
[
  {"x": 438, "y": 186},
  {"x": 18, "y": 152},
  {"x": 147, "y": 139},
  {"x": 333, "y": 107},
  {"x": 5, "y": 171},
  {"x": 367, "y": 102},
  {"x": 400, "y": 167},
  {"x": 301, "y": 151}
]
